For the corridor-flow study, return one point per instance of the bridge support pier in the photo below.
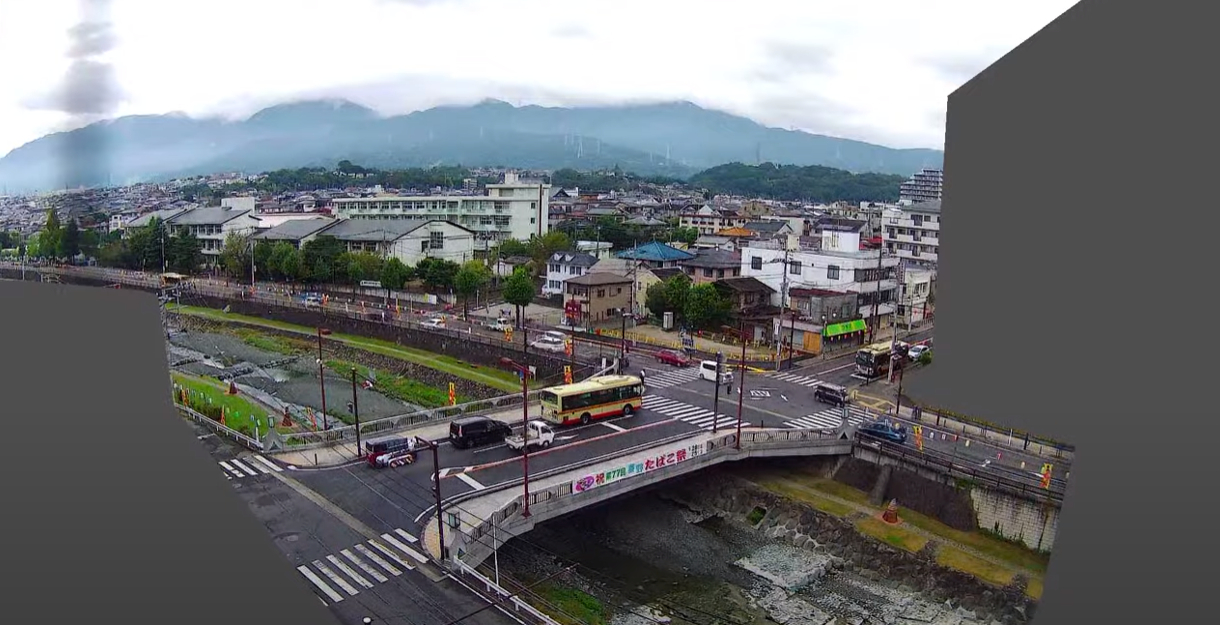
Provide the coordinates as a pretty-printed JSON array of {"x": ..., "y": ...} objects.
[{"x": 877, "y": 496}]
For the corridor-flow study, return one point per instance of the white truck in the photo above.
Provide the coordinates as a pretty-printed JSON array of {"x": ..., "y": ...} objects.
[{"x": 536, "y": 434}]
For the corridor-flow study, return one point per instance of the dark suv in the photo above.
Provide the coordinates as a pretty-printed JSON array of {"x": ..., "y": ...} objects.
[
  {"x": 831, "y": 394},
  {"x": 477, "y": 431}
]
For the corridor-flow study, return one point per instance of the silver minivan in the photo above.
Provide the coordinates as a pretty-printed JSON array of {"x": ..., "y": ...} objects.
[{"x": 707, "y": 371}]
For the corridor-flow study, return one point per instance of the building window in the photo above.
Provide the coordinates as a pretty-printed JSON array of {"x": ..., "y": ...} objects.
[
  {"x": 707, "y": 273},
  {"x": 436, "y": 240},
  {"x": 756, "y": 263},
  {"x": 832, "y": 272},
  {"x": 601, "y": 293},
  {"x": 794, "y": 268}
]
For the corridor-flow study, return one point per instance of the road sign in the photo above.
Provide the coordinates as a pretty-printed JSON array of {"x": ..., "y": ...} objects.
[
  {"x": 760, "y": 393},
  {"x": 370, "y": 284}
]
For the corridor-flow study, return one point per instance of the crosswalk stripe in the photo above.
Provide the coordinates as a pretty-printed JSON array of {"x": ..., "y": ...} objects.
[
  {"x": 390, "y": 554},
  {"x": 347, "y": 570},
  {"x": 405, "y": 549},
  {"x": 269, "y": 464},
  {"x": 364, "y": 551},
  {"x": 244, "y": 468},
  {"x": 409, "y": 538},
  {"x": 339, "y": 581},
  {"x": 370, "y": 571},
  {"x": 321, "y": 585},
  {"x": 230, "y": 469}
]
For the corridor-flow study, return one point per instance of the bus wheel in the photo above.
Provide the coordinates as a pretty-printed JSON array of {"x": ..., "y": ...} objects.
[
  {"x": 627, "y": 410},
  {"x": 585, "y": 418}
]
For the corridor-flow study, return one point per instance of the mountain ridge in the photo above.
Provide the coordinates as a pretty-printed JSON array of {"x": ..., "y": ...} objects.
[{"x": 676, "y": 138}]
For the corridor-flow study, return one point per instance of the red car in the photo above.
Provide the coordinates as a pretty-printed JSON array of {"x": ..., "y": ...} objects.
[{"x": 670, "y": 357}]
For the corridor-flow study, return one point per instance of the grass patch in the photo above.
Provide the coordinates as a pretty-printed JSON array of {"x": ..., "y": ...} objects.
[
  {"x": 577, "y": 607},
  {"x": 1033, "y": 589},
  {"x": 895, "y": 536},
  {"x": 398, "y": 387},
  {"x": 756, "y": 515},
  {"x": 208, "y": 397},
  {"x": 956, "y": 559},
  {"x": 796, "y": 491},
  {"x": 272, "y": 344},
  {"x": 506, "y": 381},
  {"x": 1009, "y": 552}
]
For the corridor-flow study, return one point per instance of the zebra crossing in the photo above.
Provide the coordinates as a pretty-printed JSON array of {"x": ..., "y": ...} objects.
[
  {"x": 830, "y": 419},
  {"x": 342, "y": 575},
  {"x": 668, "y": 378},
  {"x": 250, "y": 466},
  {"x": 701, "y": 418},
  {"x": 800, "y": 380}
]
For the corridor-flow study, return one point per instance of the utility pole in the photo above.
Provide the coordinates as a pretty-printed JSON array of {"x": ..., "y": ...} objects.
[
  {"x": 783, "y": 305},
  {"x": 635, "y": 266},
  {"x": 716, "y": 393},
  {"x": 356, "y": 414},
  {"x": 741, "y": 389}
]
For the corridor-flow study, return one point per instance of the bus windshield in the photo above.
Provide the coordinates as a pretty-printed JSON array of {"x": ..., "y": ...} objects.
[{"x": 549, "y": 398}]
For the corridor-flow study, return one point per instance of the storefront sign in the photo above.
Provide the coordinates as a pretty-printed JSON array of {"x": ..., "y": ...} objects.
[{"x": 631, "y": 469}]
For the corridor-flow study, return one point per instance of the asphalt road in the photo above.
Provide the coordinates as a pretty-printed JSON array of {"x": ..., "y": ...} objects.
[{"x": 354, "y": 576}]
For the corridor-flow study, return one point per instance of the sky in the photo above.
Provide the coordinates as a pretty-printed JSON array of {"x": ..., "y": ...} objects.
[{"x": 871, "y": 70}]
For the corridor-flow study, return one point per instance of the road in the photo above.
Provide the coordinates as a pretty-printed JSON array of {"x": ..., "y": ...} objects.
[{"x": 355, "y": 575}]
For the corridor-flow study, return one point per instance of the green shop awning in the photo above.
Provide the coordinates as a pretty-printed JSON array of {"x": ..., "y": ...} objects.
[{"x": 847, "y": 327}]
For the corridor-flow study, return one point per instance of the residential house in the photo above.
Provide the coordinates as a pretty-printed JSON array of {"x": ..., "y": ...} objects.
[
  {"x": 562, "y": 266},
  {"x": 504, "y": 267},
  {"x": 713, "y": 242},
  {"x": 711, "y": 265},
  {"x": 913, "y": 232},
  {"x": 751, "y": 309},
  {"x": 639, "y": 273},
  {"x": 601, "y": 296},
  {"x": 656, "y": 254},
  {"x": 839, "y": 265},
  {"x": 775, "y": 230},
  {"x": 708, "y": 220},
  {"x": 599, "y": 249},
  {"x": 212, "y": 226},
  {"x": 146, "y": 219},
  {"x": 915, "y": 303},
  {"x": 408, "y": 242}
]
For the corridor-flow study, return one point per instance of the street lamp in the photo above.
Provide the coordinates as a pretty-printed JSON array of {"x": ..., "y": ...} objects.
[
  {"x": 523, "y": 371},
  {"x": 356, "y": 411},
  {"x": 622, "y": 356},
  {"x": 741, "y": 388},
  {"x": 322, "y": 375}
]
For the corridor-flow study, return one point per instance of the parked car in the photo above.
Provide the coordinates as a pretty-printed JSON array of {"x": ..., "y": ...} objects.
[
  {"x": 501, "y": 324},
  {"x": 549, "y": 344},
  {"x": 894, "y": 433},
  {"x": 477, "y": 431},
  {"x": 917, "y": 351},
  {"x": 673, "y": 357},
  {"x": 435, "y": 322}
]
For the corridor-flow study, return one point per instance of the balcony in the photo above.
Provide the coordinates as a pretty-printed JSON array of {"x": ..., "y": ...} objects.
[{"x": 869, "y": 287}]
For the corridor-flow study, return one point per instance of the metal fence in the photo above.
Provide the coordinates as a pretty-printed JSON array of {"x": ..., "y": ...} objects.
[
  {"x": 221, "y": 430},
  {"x": 495, "y": 594}
]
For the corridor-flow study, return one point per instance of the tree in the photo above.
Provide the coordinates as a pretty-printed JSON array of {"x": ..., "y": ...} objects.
[
  {"x": 184, "y": 253},
  {"x": 705, "y": 307},
  {"x": 541, "y": 248},
  {"x": 472, "y": 276},
  {"x": 437, "y": 273},
  {"x": 90, "y": 242},
  {"x": 68, "y": 245},
  {"x": 519, "y": 290},
  {"x": 513, "y": 247},
  {"x": 363, "y": 266},
  {"x": 235, "y": 255},
  {"x": 321, "y": 257},
  {"x": 262, "y": 260},
  {"x": 685, "y": 235},
  {"x": 279, "y": 254},
  {"x": 793, "y": 182},
  {"x": 48, "y": 240},
  {"x": 292, "y": 266},
  {"x": 394, "y": 274}
]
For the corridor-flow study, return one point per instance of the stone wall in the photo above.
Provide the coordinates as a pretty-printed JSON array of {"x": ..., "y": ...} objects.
[
  {"x": 718, "y": 491},
  {"x": 1029, "y": 522},
  {"x": 949, "y": 505}
]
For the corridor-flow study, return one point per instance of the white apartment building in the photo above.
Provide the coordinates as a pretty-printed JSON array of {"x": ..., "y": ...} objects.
[
  {"x": 511, "y": 210},
  {"x": 708, "y": 220},
  {"x": 564, "y": 265},
  {"x": 917, "y": 284},
  {"x": 212, "y": 225},
  {"x": 924, "y": 186},
  {"x": 840, "y": 265},
  {"x": 913, "y": 232}
]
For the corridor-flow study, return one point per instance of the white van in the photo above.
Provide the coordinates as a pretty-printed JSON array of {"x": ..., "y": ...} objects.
[{"x": 707, "y": 371}]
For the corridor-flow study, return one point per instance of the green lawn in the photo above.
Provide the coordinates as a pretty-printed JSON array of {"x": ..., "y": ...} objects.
[
  {"x": 398, "y": 387},
  {"x": 577, "y": 606},
  {"x": 208, "y": 396},
  {"x": 506, "y": 381}
]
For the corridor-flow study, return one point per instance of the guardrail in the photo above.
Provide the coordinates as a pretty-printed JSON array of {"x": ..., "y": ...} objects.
[
  {"x": 718, "y": 447},
  {"x": 218, "y": 428},
  {"x": 494, "y": 593},
  {"x": 946, "y": 464}
]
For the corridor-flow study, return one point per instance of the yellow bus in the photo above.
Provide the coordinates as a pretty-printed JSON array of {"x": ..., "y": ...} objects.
[{"x": 595, "y": 398}]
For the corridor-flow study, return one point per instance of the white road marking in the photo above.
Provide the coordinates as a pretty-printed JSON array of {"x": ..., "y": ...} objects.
[
  {"x": 364, "y": 551},
  {"x": 230, "y": 469},
  {"x": 269, "y": 464},
  {"x": 321, "y": 585},
  {"x": 246, "y": 469},
  {"x": 372, "y": 572},
  {"x": 614, "y": 427},
  {"x": 347, "y": 570},
  {"x": 409, "y": 538},
  {"x": 470, "y": 481},
  {"x": 405, "y": 549},
  {"x": 390, "y": 554},
  {"x": 342, "y": 583}
]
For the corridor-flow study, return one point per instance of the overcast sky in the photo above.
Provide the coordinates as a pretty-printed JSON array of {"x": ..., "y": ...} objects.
[{"x": 873, "y": 70}]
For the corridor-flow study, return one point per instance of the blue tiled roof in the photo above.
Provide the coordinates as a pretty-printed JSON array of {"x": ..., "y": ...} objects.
[{"x": 655, "y": 252}]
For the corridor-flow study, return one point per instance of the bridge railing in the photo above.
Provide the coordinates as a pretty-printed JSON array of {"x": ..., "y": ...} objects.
[
  {"x": 496, "y": 593},
  {"x": 953, "y": 466},
  {"x": 717, "y": 448},
  {"x": 220, "y": 429}
]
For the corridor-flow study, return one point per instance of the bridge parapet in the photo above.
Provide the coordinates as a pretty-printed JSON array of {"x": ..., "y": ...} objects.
[{"x": 477, "y": 525}]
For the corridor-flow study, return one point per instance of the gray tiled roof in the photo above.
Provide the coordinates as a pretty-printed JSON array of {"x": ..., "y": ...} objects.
[
  {"x": 295, "y": 229},
  {"x": 208, "y": 216}
]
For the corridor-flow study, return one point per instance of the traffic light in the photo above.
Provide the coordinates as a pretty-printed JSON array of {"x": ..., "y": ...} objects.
[
  {"x": 452, "y": 394},
  {"x": 567, "y": 374}
]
